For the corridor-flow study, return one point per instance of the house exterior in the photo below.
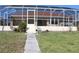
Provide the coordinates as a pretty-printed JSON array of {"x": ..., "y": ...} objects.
[{"x": 44, "y": 18}]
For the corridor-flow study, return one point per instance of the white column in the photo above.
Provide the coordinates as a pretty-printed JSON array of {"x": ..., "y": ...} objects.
[
  {"x": 50, "y": 16},
  {"x": 54, "y": 21},
  {"x": 7, "y": 19},
  {"x": 34, "y": 17},
  {"x": 50, "y": 21},
  {"x": 47, "y": 22},
  {"x": 58, "y": 21},
  {"x": 11, "y": 24},
  {"x": 63, "y": 16},
  {"x": 68, "y": 21},
  {"x": 27, "y": 16},
  {"x": 0, "y": 18},
  {"x": 4, "y": 20},
  {"x": 22, "y": 12},
  {"x": 75, "y": 17}
]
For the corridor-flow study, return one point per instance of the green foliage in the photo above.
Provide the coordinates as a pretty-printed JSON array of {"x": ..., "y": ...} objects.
[
  {"x": 78, "y": 27},
  {"x": 22, "y": 26},
  {"x": 16, "y": 30}
]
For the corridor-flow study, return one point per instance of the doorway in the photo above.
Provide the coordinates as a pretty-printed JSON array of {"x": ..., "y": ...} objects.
[{"x": 31, "y": 21}]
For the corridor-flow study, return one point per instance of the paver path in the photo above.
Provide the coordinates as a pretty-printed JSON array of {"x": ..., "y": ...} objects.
[{"x": 31, "y": 45}]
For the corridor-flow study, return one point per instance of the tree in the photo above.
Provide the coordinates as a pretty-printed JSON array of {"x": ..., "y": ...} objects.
[{"x": 22, "y": 26}]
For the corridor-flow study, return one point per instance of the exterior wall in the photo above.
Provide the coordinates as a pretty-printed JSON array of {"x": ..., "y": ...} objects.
[
  {"x": 0, "y": 28},
  {"x": 15, "y": 26},
  {"x": 6, "y": 28},
  {"x": 57, "y": 28},
  {"x": 44, "y": 28}
]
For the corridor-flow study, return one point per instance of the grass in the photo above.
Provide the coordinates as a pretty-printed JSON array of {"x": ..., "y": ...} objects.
[
  {"x": 12, "y": 42},
  {"x": 59, "y": 42}
]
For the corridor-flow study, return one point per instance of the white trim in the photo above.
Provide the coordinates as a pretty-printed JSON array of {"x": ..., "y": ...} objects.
[
  {"x": 63, "y": 16},
  {"x": 75, "y": 17},
  {"x": 41, "y": 8}
]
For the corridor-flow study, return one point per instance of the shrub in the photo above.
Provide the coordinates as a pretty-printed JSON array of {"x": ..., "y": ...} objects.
[
  {"x": 47, "y": 30},
  {"x": 22, "y": 26},
  {"x": 78, "y": 27},
  {"x": 16, "y": 29}
]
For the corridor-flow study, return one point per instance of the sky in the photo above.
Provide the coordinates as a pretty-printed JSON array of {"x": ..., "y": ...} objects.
[
  {"x": 67, "y": 3},
  {"x": 70, "y": 6},
  {"x": 61, "y": 3}
]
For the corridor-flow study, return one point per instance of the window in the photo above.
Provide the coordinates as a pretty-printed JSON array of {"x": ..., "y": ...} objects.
[{"x": 30, "y": 21}]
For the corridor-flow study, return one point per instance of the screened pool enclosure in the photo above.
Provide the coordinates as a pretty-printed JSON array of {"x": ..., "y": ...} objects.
[{"x": 41, "y": 16}]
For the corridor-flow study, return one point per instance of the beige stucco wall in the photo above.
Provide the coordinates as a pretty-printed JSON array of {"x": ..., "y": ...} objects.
[
  {"x": 57, "y": 28},
  {"x": 44, "y": 28},
  {"x": 6, "y": 28}
]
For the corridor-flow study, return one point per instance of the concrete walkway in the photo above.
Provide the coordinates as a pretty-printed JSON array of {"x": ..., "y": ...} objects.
[{"x": 31, "y": 45}]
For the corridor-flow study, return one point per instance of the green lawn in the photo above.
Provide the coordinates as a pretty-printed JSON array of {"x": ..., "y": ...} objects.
[
  {"x": 59, "y": 42},
  {"x": 12, "y": 42}
]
